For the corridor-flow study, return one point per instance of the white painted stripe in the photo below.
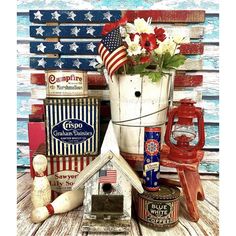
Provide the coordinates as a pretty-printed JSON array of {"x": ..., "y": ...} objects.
[
  {"x": 80, "y": 110},
  {"x": 72, "y": 116},
  {"x": 114, "y": 67},
  {"x": 63, "y": 118},
  {"x": 55, "y": 166},
  {"x": 60, "y": 119},
  {"x": 89, "y": 122},
  {"x": 48, "y": 167},
  {"x": 56, "y": 122},
  {"x": 61, "y": 163},
  {"x": 111, "y": 60},
  {"x": 69, "y": 116},
  {"x": 52, "y": 124},
  {"x": 76, "y": 115}
]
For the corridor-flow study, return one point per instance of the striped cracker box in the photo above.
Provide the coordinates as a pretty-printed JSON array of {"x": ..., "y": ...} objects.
[
  {"x": 72, "y": 126},
  {"x": 62, "y": 171}
]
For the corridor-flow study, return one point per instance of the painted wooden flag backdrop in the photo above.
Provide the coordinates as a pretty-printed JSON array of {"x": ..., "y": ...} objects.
[{"x": 79, "y": 37}]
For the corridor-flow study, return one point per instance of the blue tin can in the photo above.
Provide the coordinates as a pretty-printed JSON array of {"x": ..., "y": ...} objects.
[{"x": 151, "y": 167}]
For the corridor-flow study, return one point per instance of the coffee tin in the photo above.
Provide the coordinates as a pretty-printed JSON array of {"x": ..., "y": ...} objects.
[
  {"x": 66, "y": 83},
  {"x": 151, "y": 167},
  {"x": 72, "y": 126},
  {"x": 160, "y": 209}
]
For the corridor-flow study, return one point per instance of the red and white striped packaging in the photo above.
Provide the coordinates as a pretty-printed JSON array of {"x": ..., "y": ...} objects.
[{"x": 62, "y": 171}]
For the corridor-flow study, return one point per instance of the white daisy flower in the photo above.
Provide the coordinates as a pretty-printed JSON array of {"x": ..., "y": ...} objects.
[
  {"x": 134, "y": 47},
  {"x": 142, "y": 26}
]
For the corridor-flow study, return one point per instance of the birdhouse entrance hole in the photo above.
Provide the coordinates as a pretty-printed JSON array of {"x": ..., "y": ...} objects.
[{"x": 107, "y": 188}]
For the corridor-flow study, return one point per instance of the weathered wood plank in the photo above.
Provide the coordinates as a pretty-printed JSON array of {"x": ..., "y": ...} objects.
[
  {"x": 23, "y": 186},
  {"x": 210, "y": 27},
  {"x": 208, "y": 223},
  {"x": 176, "y": 16},
  {"x": 19, "y": 174},
  {"x": 74, "y": 16},
  {"x": 211, "y": 189},
  {"x": 91, "y": 48},
  {"x": 62, "y": 224},
  {"x": 24, "y": 225},
  {"x": 40, "y": 93},
  {"x": 22, "y": 156},
  {"x": 209, "y": 87},
  {"x": 66, "y": 31},
  {"x": 89, "y": 64},
  {"x": 181, "y": 80}
]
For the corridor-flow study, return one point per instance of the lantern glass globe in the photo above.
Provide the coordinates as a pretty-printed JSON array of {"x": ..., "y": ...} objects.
[{"x": 184, "y": 133}]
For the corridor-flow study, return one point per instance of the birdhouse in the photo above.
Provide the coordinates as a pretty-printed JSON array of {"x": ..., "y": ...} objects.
[{"x": 108, "y": 183}]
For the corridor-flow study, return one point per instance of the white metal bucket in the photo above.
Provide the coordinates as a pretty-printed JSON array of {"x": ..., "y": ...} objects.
[{"x": 137, "y": 102}]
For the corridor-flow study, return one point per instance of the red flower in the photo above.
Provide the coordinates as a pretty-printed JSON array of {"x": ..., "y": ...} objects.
[
  {"x": 148, "y": 41},
  {"x": 132, "y": 36},
  {"x": 145, "y": 59},
  {"x": 160, "y": 34}
]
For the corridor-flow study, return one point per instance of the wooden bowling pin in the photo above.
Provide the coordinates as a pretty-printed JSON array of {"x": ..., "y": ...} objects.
[
  {"x": 41, "y": 189},
  {"x": 63, "y": 203}
]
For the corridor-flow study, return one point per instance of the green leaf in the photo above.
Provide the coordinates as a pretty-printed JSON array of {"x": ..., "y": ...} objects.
[
  {"x": 154, "y": 76},
  {"x": 138, "y": 69},
  {"x": 174, "y": 61}
]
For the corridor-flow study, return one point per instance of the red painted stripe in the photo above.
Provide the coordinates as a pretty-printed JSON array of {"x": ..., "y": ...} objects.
[
  {"x": 75, "y": 163},
  {"x": 81, "y": 163},
  {"x": 192, "y": 48},
  {"x": 171, "y": 16},
  {"x": 64, "y": 163},
  {"x": 188, "y": 80},
  {"x": 70, "y": 163},
  {"x": 117, "y": 65},
  {"x": 181, "y": 80},
  {"x": 87, "y": 160},
  {"x": 52, "y": 165},
  {"x": 50, "y": 209}
]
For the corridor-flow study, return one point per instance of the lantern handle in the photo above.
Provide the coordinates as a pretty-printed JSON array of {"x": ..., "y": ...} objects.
[
  {"x": 201, "y": 130},
  {"x": 171, "y": 117}
]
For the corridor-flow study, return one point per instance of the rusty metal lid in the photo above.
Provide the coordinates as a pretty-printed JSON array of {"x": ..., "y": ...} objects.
[{"x": 164, "y": 193}]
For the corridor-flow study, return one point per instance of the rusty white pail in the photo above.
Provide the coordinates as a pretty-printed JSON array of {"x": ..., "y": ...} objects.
[{"x": 137, "y": 102}]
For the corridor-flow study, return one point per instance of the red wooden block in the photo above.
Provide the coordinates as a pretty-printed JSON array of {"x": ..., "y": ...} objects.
[
  {"x": 182, "y": 80},
  {"x": 192, "y": 48},
  {"x": 168, "y": 16},
  {"x": 37, "y": 109},
  {"x": 37, "y": 136},
  {"x": 96, "y": 81},
  {"x": 37, "y": 78}
]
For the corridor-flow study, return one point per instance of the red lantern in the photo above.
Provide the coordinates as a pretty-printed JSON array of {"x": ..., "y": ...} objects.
[{"x": 183, "y": 132}]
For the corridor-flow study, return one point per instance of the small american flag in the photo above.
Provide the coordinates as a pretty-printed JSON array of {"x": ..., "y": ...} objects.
[
  {"x": 107, "y": 176},
  {"x": 112, "y": 51}
]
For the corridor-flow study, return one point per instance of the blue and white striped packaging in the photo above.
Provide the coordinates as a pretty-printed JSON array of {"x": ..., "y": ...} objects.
[{"x": 72, "y": 126}]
